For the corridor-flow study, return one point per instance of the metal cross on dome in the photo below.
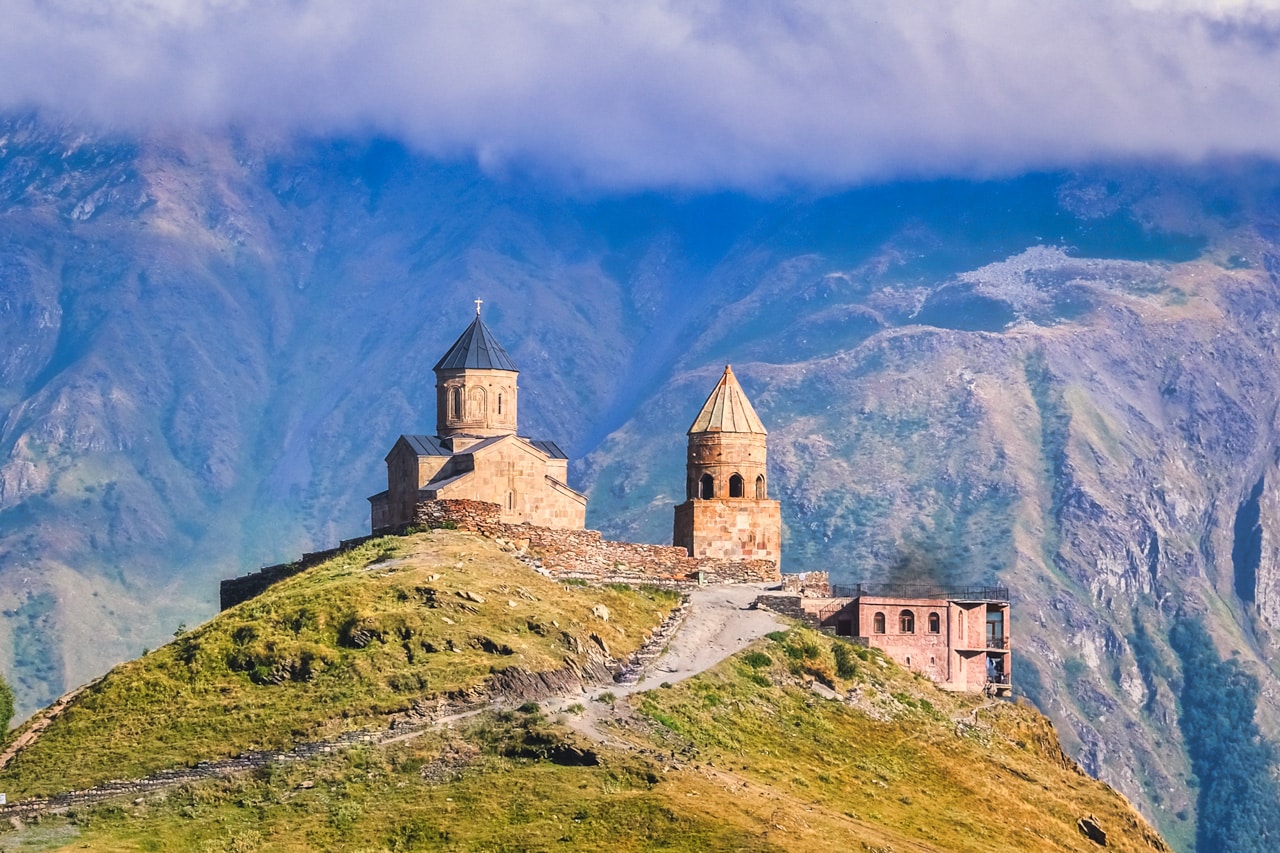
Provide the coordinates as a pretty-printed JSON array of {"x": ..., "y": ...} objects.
[{"x": 478, "y": 301}]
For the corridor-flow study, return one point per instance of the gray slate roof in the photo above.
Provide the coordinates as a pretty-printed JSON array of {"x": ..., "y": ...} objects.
[
  {"x": 427, "y": 445},
  {"x": 476, "y": 349},
  {"x": 548, "y": 447},
  {"x": 430, "y": 445}
]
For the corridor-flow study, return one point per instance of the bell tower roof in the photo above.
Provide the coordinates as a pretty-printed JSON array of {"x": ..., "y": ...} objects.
[
  {"x": 728, "y": 409},
  {"x": 476, "y": 349}
]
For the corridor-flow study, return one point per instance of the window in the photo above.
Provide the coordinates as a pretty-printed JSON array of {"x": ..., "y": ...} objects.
[
  {"x": 995, "y": 629},
  {"x": 906, "y": 622},
  {"x": 935, "y": 623},
  {"x": 878, "y": 622},
  {"x": 760, "y": 493},
  {"x": 706, "y": 487},
  {"x": 908, "y": 660},
  {"x": 735, "y": 486},
  {"x": 455, "y": 402},
  {"x": 499, "y": 402},
  {"x": 511, "y": 500}
]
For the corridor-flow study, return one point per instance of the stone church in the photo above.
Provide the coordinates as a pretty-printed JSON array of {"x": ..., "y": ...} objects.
[
  {"x": 728, "y": 514},
  {"x": 476, "y": 453}
]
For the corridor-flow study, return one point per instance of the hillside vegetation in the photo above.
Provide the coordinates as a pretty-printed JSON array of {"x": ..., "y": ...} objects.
[
  {"x": 800, "y": 743},
  {"x": 342, "y": 646}
]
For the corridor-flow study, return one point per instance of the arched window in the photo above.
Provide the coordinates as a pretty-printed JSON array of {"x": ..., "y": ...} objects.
[
  {"x": 877, "y": 623},
  {"x": 935, "y": 623},
  {"x": 908, "y": 660},
  {"x": 499, "y": 402},
  {"x": 706, "y": 487},
  {"x": 455, "y": 402},
  {"x": 760, "y": 494},
  {"x": 511, "y": 500},
  {"x": 735, "y": 486},
  {"x": 906, "y": 622}
]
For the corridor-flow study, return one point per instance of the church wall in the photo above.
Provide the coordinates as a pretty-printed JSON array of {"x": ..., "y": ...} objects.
[
  {"x": 723, "y": 454},
  {"x": 482, "y": 402},
  {"x": 402, "y": 483},
  {"x": 732, "y": 529},
  {"x": 513, "y": 476}
]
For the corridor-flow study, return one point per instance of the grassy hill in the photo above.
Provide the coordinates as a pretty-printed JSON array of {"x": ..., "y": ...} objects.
[
  {"x": 345, "y": 645},
  {"x": 800, "y": 743}
]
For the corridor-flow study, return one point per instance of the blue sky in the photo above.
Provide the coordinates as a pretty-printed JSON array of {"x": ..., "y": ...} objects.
[{"x": 651, "y": 94}]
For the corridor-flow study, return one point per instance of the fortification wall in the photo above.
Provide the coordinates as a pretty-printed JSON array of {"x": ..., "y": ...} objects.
[
  {"x": 562, "y": 553},
  {"x": 588, "y": 555},
  {"x": 232, "y": 591}
]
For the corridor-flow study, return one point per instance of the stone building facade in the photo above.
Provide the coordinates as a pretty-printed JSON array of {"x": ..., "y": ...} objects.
[
  {"x": 728, "y": 514},
  {"x": 476, "y": 454},
  {"x": 958, "y": 638}
]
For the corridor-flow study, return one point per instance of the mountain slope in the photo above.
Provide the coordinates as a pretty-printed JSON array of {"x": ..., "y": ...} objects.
[
  {"x": 798, "y": 744},
  {"x": 1066, "y": 382}
]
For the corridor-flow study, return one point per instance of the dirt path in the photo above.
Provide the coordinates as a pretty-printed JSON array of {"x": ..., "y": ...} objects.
[{"x": 718, "y": 622}]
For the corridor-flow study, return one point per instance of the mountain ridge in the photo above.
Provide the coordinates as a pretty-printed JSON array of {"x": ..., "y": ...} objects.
[{"x": 216, "y": 331}]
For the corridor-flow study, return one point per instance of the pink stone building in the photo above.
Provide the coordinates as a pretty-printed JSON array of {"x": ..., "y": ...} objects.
[{"x": 959, "y": 638}]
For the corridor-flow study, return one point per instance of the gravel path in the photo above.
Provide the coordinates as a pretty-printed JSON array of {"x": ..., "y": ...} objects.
[{"x": 718, "y": 622}]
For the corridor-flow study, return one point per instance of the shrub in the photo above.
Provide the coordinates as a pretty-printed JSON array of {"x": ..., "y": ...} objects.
[
  {"x": 6, "y": 709},
  {"x": 757, "y": 660},
  {"x": 845, "y": 667}
]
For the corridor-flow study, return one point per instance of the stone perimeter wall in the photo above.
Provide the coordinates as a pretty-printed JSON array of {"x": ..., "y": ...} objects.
[
  {"x": 564, "y": 554},
  {"x": 587, "y": 555}
]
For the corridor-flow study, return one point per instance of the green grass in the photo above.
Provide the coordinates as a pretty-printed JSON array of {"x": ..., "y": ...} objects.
[
  {"x": 341, "y": 646},
  {"x": 718, "y": 762},
  {"x": 894, "y": 755}
]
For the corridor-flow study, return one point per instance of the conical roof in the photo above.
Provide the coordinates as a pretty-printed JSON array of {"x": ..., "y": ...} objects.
[
  {"x": 476, "y": 349},
  {"x": 728, "y": 409}
]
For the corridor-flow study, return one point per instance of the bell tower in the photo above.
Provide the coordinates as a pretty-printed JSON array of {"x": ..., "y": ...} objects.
[
  {"x": 476, "y": 386},
  {"x": 727, "y": 513}
]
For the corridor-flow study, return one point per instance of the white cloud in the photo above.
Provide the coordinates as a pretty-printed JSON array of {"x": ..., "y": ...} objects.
[{"x": 701, "y": 94}]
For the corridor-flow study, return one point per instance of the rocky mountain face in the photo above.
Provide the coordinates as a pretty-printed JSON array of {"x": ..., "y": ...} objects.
[{"x": 1067, "y": 383}]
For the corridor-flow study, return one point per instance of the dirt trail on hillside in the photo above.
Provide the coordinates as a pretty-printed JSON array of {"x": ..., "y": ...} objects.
[{"x": 719, "y": 622}]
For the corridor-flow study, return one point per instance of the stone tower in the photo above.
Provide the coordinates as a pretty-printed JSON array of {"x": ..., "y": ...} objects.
[
  {"x": 728, "y": 514},
  {"x": 475, "y": 386}
]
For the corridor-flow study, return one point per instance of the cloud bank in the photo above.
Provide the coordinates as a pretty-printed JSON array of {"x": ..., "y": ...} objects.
[{"x": 699, "y": 94}]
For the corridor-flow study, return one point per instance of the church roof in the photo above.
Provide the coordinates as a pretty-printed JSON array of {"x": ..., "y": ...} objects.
[
  {"x": 728, "y": 409},
  {"x": 476, "y": 349},
  {"x": 430, "y": 445}
]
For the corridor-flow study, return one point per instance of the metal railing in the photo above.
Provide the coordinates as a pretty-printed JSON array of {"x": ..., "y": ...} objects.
[{"x": 907, "y": 590}]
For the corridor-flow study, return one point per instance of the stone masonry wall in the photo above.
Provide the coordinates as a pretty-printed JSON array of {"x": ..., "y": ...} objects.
[{"x": 588, "y": 555}]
